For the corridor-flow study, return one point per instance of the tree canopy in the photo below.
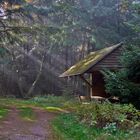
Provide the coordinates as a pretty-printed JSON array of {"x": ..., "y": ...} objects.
[{"x": 56, "y": 33}]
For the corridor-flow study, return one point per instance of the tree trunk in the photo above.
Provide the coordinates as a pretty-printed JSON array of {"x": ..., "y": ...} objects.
[{"x": 36, "y": 80}]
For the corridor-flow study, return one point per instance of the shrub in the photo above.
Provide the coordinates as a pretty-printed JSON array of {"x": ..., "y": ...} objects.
[
  {"x": 100, "y": 115},
  {"x": 126, "y": 83},
  {"x": 68, "y": 127}
]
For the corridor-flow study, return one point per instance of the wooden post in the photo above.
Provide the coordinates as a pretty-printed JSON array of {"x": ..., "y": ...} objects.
[
  {"x": 83, "y": 78},
  {"x": 88, "y": 83},
  {"x": 91, "y": 88}
]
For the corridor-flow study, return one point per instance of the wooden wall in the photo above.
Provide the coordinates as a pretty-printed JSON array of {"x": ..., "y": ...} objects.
[{"x": 111, "y": 61}]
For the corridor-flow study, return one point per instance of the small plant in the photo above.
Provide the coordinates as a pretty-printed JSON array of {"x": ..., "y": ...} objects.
[{"x": 111, "y": 127}]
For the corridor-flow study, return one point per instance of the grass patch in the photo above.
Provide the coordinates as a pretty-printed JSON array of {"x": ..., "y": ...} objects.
[
  {"x": 53, "y": 101},
  {"x": 38, "y": 101},
  {"x": 3, "y": 112},
  {"x": 68, "y": 127},
  {"x": 27, "y": 113}
]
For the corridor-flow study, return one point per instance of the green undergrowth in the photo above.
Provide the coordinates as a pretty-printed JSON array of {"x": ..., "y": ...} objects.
[
  {"x": 68, "y": 127},
  {"x": 92, "y": 121},
  {"x": 53, "y": 101},
  {"x": 48, "y": 103},
  {"x": 13, "y": 102},
  {"x": 98, "y": 121},
  {"x": 39, "y": 101},
  {"x": 100, "y": 114},
  {"x": 3, "y": 112},
  {"x": 27, "y": 113}
]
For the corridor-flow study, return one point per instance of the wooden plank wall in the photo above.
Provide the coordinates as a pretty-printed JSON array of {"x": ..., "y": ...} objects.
[{"x": 111, "y": 61}]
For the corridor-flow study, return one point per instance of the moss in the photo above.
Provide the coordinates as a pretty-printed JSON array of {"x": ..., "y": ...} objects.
[
  {"x": 89, "y": 61},
  {"x": 55, "y": 109}
]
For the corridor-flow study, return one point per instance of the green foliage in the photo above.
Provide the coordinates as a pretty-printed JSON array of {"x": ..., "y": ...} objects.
[
  {"x": 97, "y": 121},
  {"x": 131, "y": 62},
  {"x": 34, "y": 27},
  {"x": 49, "y": 100},
  {"x": 100, "y": 115},
  {"x": 3, "y": 112},
  {"x": 86, "y": 121},
  {"x": 125, "y": 83},
  {"x": 68, "y": 127},
  {"x": 110, "y": 127}
]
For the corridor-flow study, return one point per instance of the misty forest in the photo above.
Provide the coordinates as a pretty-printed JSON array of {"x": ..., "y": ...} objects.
[{"x": 69, "y": 69}]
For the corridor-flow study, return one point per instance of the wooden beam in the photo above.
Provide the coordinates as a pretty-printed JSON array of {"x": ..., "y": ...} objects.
[{"x": 86, "y": 81}]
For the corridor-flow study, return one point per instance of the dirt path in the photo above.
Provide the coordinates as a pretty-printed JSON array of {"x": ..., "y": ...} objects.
[{"x": 15, "y": 128}]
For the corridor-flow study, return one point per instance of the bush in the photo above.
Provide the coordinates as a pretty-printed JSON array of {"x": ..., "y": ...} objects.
[
  {"x": 68, "y": 127},
  {"x": 99, "y": 115},
  {"x": 126, "y": 83}
]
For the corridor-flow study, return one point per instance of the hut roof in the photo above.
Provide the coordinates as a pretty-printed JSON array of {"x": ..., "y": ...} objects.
[{"x": 89, "y": 61}]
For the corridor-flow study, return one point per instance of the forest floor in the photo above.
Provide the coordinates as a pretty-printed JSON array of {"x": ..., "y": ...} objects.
[
  {"x": 63, "y": 118},
  {"x": 26, "y": 123}
]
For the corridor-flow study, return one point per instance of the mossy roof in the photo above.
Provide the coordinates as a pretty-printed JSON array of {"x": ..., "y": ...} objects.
[{"x": 89, "y": 61}]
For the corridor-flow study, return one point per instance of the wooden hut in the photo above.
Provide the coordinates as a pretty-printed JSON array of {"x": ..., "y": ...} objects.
[{"x": 107, "y": 58}]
